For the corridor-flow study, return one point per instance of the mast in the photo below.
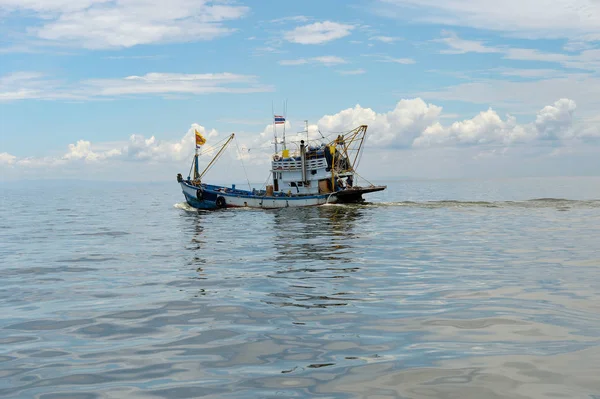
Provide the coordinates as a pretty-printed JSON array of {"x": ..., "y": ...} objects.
[
  {"x": 196, "y": 172},
  {"x": 274, "y": 128},
  {"x": 284, "y": 117}
]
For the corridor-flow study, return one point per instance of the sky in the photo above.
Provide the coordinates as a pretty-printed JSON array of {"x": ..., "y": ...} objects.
[{"x": 114, "y": 89}]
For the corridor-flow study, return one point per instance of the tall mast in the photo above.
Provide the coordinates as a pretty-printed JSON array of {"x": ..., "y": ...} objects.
[
  {"x": 195, "y": 163},
  {"x": 284, "y": 117},
  {"x": 196, "y": 172},
  {"x": 274, "y": 127}
]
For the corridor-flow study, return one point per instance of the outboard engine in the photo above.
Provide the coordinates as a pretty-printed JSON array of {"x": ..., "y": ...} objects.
[{"x": 179, "y": 178}]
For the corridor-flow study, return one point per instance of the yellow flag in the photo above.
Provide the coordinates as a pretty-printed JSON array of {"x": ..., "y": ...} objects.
[{"x": 200, "y": 140}]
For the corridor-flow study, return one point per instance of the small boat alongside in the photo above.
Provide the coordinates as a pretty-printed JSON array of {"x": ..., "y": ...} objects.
[{"x": 314, "y": 175}]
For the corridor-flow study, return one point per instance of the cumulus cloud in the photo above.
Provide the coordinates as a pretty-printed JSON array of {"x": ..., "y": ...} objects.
[
  {"x": 396, "y": 128},
  {"x": 412, "y": 123},
  {"x": 318, "y": 32},
  {"x": 82, "y": 150},
  {"x": 139, "y": 148},
  {"x": 7, "y": 159},
  {"x": 136, "y": 148},
  {"x": 100, "y": 24},
  {"x": 553, "y": 122},
  {"x": 485, "y": 128}
]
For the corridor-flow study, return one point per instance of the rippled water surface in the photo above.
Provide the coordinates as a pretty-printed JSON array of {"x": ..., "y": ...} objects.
[{"x": 445, "y": 289}]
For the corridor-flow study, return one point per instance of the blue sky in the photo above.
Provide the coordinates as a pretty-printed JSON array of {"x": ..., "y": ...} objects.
[{"x": 105, "y": 89}]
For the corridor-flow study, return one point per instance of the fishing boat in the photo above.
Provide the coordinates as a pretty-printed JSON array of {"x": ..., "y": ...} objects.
[{"x": 315, "y": 174}]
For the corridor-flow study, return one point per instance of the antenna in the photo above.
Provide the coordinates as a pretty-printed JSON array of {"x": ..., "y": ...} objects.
[{"x": 306, "y": 124}]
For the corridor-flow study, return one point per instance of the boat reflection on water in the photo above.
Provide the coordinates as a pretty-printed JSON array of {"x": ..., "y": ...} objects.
[
  {"x": 314, "y": 254},
  {"x": 289, "y": 257},
  {"x": 319, "y": 234}
]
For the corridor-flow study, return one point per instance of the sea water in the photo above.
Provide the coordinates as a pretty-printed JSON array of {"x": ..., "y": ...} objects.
[{"x": 432, "y": 289}]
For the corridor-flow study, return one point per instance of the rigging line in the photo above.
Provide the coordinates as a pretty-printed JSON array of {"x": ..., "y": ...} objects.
[
  {"x": 212, "y": 147},
  {"x": 242, "y": 161},
  {"x": 266, "y": 181},
  {"x": 212, "y": 162},
  {"x": 360, "y": 155},
  {"x": 363, "y": 178}
]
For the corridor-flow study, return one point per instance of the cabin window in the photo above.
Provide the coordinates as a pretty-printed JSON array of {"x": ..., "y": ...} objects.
[{"x": 313, "y": 172}]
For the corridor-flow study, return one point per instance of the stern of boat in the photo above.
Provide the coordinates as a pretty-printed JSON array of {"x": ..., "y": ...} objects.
[{"x": 354, "y": 195}]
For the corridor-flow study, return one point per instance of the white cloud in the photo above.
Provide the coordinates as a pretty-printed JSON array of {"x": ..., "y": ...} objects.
[
  {"x": 318, "y": 32},
  {"x": 100, "y": 24},
  {"x": 460, "y": 46},
  {"x": 553, "y": 122},
  {"x": 387, "y": 58},
  {"x": 526, "y": 96},
  {"x": 529, "y": 73},
  {"x": 396, "y": 128},
  {"x": 358, "y": 71},
  {"x": 548, "y": 19},
  {"x": 23, "y": 85},
  {"x": 330, "y": 60},
  {"x": 139, "y": 148},
  {"x": 49, "y": 6},
  {"x": 7, "y": 159},
  {"x": 576, "y": 46},
  {"x": 27, "y": 85},
  {"x": 294, "y": 18},
  {"x": 412, "y": 125},
  {"x": 300, "y": 61},
  {"x": 416, "y": 123},
  {"x": 327, "y": 60},
  {"x": 385, "y": 39},
  {"x": 82, "y": 150},
  {"x": 587, "y": 59},
  {"x": 403, "y": 61},
  {"x": 485, "y": 128},
  {"x": 156, "y": 83}
]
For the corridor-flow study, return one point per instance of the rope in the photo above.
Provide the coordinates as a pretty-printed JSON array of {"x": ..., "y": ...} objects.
[
  {"x": 363, "y": 178},
  {"x": 213, "y": 147},
  {"x": 242, "y": 161},
  {"x": 265, "y": 183}
]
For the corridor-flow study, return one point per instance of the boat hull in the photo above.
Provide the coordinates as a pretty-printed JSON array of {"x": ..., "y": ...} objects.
[{"x": 214, "y": 197}]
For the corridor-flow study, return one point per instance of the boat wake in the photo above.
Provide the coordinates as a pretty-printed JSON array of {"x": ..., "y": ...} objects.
[
  {"x": 185, "y": 207},
  {"x": 558, "y": 203}
]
